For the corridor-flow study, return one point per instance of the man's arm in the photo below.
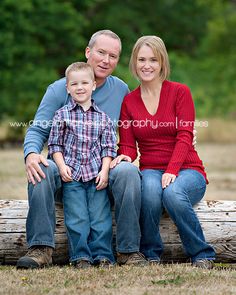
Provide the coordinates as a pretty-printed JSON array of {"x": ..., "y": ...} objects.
[{"x": 37, "y": 134}]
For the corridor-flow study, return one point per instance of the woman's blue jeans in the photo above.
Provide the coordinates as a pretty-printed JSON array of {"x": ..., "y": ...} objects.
[
  {"x": 88, "y": 221},
  {"x": 178, "y": 200}
]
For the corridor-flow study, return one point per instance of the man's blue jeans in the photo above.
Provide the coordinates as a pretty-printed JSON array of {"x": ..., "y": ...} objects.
[
  {"x": 88, "y": 221},
  {"x": 125, "y": 185},
  {"x": 177, "y": 199}
]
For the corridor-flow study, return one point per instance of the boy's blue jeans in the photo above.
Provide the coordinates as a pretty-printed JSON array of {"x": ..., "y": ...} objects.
[
  {"x": 177, "y": 199},
  {"x": 125, "y": 185},
  {"x": 88, "y": 221}
]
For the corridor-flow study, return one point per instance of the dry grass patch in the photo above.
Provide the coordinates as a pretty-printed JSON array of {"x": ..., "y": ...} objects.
[
  {"x": 219, "y": 160},
  {"x": 164, "y": 279}
]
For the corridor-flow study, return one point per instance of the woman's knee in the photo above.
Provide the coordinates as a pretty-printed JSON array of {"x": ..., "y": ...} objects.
[{"x": 174, "y": 198}]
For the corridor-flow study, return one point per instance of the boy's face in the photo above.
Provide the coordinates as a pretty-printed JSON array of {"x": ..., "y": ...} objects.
[
  {"x": 103, "y": 56},
  {"x": 80, "y": 85}
]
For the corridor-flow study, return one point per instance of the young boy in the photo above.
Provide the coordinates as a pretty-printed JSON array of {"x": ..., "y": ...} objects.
[{"x": 82, "y": 142}]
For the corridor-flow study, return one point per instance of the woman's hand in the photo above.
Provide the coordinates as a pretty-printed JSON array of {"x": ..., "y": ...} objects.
[
  {"x": 118, "y": 159},
  {"x": 167, "y": 178}
]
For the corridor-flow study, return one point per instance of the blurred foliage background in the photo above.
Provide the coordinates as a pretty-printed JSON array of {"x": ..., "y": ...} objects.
[{"x": 39, "y": 38}]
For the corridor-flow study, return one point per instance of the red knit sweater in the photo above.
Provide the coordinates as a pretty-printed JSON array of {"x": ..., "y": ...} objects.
[{"x": 165, "y": 138}]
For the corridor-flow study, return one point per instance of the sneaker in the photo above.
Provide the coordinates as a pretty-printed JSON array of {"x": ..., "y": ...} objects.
[
  {"x": 105, "y": 263},
  {"x": 135, "y": 258},
  {"x": 36, "y": 257},
  {"x": 204, "y": 263},
  {"x": 83, "y": 264}
]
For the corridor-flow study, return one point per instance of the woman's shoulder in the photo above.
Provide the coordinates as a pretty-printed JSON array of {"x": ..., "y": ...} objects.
[
  {"x": 133, "y": 95},
  {"x": 177, "y": 85}
]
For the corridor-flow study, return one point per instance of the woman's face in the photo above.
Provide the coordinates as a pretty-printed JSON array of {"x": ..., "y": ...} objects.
[{"x": 147, "y": 65}]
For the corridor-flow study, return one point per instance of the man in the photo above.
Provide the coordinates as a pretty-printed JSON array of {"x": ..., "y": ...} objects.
[{"x": 44, "y": 187}]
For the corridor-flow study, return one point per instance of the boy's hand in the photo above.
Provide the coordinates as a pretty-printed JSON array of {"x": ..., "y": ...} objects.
[
  {"x": 65, "y": 173},
  {"x": 102, "y": 180}
]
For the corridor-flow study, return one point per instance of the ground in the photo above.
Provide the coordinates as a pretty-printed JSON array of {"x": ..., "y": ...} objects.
[
  {"x": 219, "y": 160},
  {"x": 149, "y": 280}
]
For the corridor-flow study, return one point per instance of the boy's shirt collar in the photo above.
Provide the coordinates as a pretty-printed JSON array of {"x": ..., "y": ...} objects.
[{"x": 72, "y": 105}]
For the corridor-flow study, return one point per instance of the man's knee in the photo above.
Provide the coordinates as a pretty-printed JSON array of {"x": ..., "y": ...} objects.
[
  {"x": 52, "y": 179},
  {"x": 125, "y": 170},
  {"x": 51, "y": 169}
]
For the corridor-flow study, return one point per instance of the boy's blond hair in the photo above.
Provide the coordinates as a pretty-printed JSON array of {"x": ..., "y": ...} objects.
[{"x": 77, "y": 66}]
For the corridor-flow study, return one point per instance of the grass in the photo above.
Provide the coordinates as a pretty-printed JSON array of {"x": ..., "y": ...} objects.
[
  {"x": 219, "y": 160},
  {"x": 163, "y": 279}
]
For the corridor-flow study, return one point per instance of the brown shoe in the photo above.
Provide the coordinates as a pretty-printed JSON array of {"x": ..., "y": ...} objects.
[
  {"x": 83, "y": 264},
  {"x": 204, "y": 263},
  {"x": 135, "y": 258},
  {"x": 36, "y": 257}
]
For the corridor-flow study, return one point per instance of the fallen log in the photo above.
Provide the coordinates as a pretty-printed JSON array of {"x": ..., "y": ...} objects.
[{"x": 218, "y": 220}]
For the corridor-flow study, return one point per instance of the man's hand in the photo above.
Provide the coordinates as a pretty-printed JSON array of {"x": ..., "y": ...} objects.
[
  {"x": 33, "y": 171},
  {"x": 118, "y": 159}
]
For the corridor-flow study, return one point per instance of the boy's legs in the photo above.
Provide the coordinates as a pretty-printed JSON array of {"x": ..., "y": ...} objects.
[
  {"x": 77, "y": 220},
  {"x": 40, "y": 223},
  {"x": 125, "y": 186},
  {"x": 100, "y": 239}
]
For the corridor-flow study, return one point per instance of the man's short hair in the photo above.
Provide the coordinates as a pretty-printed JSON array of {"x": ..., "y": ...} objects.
[{"x": 106, "y": 33}]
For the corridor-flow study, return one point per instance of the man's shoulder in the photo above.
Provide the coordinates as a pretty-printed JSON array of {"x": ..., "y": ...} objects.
[
  {"x": 59, "y": 84},
  {"x": 113, "y": 80}
]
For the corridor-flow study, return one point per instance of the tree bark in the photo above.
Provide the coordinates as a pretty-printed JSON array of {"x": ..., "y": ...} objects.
[{"x": 218, "y": 220}]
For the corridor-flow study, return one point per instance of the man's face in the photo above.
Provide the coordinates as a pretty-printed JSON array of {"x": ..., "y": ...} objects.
[{"x": 103, "y": 56}]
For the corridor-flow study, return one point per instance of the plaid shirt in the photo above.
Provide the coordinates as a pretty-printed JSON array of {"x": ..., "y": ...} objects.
[{"x": 83, "y": 138}]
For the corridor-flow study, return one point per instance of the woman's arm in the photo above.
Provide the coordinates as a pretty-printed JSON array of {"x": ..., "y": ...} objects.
[{"x": 185, "y": 114}]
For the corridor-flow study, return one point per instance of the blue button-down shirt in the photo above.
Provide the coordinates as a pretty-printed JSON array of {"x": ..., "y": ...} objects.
[{"x": 83, "y": 137}]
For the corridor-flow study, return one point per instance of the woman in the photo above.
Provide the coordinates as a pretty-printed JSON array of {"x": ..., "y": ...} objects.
[{"x": 159, "y": 117}]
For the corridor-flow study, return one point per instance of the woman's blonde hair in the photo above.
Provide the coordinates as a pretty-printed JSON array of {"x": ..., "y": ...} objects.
[{"x": 159, "y": 50}]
